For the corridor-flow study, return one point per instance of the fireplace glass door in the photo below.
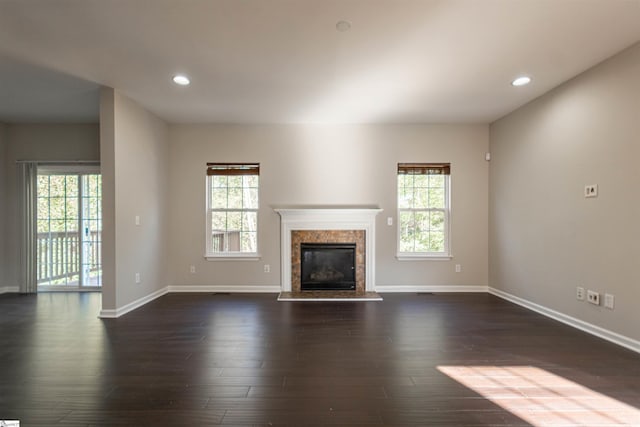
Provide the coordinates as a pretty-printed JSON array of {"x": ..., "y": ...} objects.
[{"x": 327, "y": 266}]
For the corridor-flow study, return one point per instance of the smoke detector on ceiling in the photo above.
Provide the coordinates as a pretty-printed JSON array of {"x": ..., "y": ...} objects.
[{"x": 343, "y": 26}]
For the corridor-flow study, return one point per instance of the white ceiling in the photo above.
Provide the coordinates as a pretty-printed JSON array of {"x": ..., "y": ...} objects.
[{"x": 283, "y": 61}]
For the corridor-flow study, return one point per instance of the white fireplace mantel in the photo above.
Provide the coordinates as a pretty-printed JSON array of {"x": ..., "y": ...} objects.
[{"x": 328, "y": 219}]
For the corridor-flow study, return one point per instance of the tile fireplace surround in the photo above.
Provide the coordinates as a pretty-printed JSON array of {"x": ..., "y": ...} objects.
[
  {"x": 335, "y": 225},
  {"x": 327, "y": 236}
]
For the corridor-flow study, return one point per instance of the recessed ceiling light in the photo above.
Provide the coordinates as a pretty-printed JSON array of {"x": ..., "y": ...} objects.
[
  {"x": 343, "y": 26},
  {"x": 521, "y": 81},
  {"x": 181, "y": 79}
]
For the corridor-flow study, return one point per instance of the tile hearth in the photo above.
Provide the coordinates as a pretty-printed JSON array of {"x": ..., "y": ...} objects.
[{"x": 329, "y": 296}]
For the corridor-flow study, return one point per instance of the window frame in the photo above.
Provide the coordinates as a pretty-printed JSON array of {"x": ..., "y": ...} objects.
[
  {"x": 85, "y": 254},
  {"x": 234, "y": 169},
  {"x": 446, "y": 254}
]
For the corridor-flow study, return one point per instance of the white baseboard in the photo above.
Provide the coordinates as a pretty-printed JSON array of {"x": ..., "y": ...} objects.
[
  {"x": 605, "y": 334},
  {"x": 9, "y": 289},
  {"x": 221, "y": 288},
  {"x": 428, "y": 288},
  {"x": 113, "y": 313}
]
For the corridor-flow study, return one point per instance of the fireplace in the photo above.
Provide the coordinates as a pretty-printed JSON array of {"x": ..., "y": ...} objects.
[
  {"x": 328, "y": 266},
  {"x": 328, "y": 225}
]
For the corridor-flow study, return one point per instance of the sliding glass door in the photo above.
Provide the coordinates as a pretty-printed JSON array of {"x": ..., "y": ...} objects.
[{"x": 69, "y": 226}]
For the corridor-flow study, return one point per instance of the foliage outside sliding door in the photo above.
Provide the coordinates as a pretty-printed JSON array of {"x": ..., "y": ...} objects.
[{"x": 69, "y": 227}]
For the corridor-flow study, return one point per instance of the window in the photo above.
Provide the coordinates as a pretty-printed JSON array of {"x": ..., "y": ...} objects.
[
  {"x": 423, "y": 210},
  {"x": 232, "y": 209}
]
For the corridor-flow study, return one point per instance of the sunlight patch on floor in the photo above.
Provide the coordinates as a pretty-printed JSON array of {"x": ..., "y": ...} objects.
[{"x": 542, "y": 398}]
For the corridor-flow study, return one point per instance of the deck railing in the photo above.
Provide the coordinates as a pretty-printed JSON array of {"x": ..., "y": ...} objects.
[
  {"x": 225, "y": 240},
  {"x": 59, "y": 256}
]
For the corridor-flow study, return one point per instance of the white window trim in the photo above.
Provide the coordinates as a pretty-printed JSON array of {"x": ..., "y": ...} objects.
[
  {"x": 234, "y": 256},
  {"x": 445, "y": 255},
  {"x": 225, "y": 256},
  {"x": 65, "y": 169},
  {"x": 422, "y": 256}
]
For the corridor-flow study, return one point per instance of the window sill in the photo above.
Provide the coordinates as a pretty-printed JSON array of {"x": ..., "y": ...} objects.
[
  {"x": 422, "y": 257},
  {"x": 234, "y": 256}
]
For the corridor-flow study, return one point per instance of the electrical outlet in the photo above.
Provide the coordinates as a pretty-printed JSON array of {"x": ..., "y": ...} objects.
[
  {"x": 609, "y": 301},
  {"x": 580, "y": 293},
  {"x": 192, "y": 269},
  {"x": 458, "y": 268},
  {"x": 593, "y": 297},
  {"x": 267, "y": 268},
  {"x": 591, "y": 190},
  {"x": 138, "y": 278}
]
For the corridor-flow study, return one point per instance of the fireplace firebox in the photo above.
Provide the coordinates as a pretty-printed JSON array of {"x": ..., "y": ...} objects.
[{"x": 328, "y": 266}]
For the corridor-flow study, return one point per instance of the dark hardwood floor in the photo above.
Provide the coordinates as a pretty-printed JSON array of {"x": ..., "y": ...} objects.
[{"x": 247, "y": 359}]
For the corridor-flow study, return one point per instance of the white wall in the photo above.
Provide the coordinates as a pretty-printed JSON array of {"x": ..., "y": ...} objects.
[
  {"x": 42, "y": 142},
  {"x": 545, "y": 237},
  {"x": 328, "y": 165},
  {"x": 135, "y": 182},
  {"x": 108, "y": 171},
  {"x": 4, "y": 206}
]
